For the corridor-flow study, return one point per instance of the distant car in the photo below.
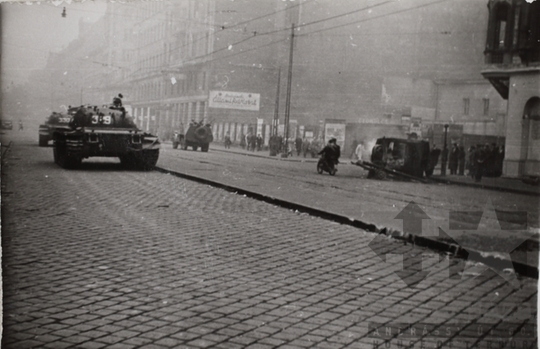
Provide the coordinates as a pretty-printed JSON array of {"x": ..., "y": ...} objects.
[{"x": 6, "y": 125}]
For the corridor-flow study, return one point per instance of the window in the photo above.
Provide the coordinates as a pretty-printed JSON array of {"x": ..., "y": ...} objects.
[
  {"x": 486, "y": 106},
  {"x": 501, "y": 18},
  {"x": 466, "y": 105}
]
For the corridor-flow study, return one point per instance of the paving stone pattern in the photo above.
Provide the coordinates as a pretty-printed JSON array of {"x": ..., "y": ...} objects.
[{"x": 106, "y": 258}]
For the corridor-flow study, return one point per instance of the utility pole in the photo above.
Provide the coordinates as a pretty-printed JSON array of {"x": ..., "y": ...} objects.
[
  {"x": 288, "y": 101},
  {"x": 276, "y": 108}
]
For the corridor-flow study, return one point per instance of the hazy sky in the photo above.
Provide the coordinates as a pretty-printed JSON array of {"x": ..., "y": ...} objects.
[{"x": 30, "y": 32}]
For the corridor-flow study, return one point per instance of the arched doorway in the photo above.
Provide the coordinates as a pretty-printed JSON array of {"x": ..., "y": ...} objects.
[{"x": 530, "y": 151}]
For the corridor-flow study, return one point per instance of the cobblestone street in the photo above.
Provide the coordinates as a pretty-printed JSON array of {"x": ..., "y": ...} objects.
[{"x": 101, "y": 257}]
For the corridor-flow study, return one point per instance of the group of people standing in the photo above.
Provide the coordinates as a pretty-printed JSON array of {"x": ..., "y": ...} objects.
[
  {"x": 485, "y": 160},
  {"x": 249, "y": 141},
  {"x": 480, "y": 160}
]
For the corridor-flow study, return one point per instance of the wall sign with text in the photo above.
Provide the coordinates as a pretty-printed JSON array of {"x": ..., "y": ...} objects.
[{"x": 234, "y": 100}]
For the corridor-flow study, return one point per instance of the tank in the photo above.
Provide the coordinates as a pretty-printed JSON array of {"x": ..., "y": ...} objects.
[
  {"x": 198, "y": 135},
  {"x": 107, "y": 131},
  {"x": 53, "y": 122}
]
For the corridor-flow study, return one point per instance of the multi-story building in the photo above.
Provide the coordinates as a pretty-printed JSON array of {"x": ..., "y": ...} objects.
[
  {"x": 195, "y": 60},
  {"x": 512, "y": 58},
  {"x": 223, "y": 61}
]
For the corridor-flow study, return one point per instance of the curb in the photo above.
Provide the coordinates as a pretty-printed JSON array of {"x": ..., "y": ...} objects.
[
  {"x": 483, "y": 186},
  {"x": 441, "y": 246},
  {"x": 434, "y": 179}
]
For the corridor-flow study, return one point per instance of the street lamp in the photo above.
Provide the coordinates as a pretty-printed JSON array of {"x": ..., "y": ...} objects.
[{"x": 444, "y": 152}]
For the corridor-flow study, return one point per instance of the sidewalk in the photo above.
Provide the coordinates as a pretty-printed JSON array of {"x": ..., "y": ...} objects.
[{"x": 506, "y": 184}]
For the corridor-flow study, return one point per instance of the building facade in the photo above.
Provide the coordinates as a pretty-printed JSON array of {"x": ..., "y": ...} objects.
[
  {"x": 512, "y": 58},
  {"x": 226, "y": 63}
]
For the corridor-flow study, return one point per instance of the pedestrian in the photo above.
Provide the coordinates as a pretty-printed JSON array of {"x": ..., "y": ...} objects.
[
  {"x": 227, "y": 141},
  {"x": 480, "y": 156},
  {"x": 433, "y": 160},
  {"x": 243, "y": 141},
  {"x": 117, "y": 101},
  {"x": 298, "y": 144},
  {"x": 280, "y": 144},
  {"x": 493, "y": 160},
  {"x": 359, "y": 151},
  {"x": 259, "y": 141},
  {"x": 453, "y": 159},
  {"x": 253, "y": 142},
  {"x": 80, "y": 118},
  {"x": 499, "y": 160},
  {"x": 488, "y": 164},
  {"x": 290, "y": 148},
  {"x": 21, "y": 127},
  {"x": 461, "y": 160},
  {"x": 353, "y": 148}
]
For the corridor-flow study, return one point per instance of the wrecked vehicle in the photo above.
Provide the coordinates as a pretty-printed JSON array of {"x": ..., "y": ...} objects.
[
  {"x": 109, "y": 132},
  {"x": 406, "y": 158}
]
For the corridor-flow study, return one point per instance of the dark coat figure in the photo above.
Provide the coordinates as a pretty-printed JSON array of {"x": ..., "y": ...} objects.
[
  {"x": 243, "y": 141},
  {"x": 433, "y": 160},
  {"x": 280, "y": 144},
  {"x": 490, "y": 159},
  {"x": 461, "y": 160},
  {"x": 80, "y": 119},
  {"x": 499, "y": 161},
  {"x": 259, "y": 142},
  {"x": 480, "y": 157},
  {"x": 117, "y": 101},
  {"x": 453, "y": 160},
  {"x": 494, "y": 161},
  {"x": 444, "y": 159},
  {"x": 252, "y": 142},
  {"x": 331, "y": 152},
  {"x": 227, "y": 141},
  {"x": 298, "y": 145}
]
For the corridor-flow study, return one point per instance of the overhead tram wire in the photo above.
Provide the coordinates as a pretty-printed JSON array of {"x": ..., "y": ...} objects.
[
  {"x": 65, "y": 57},
  {"x": 269, "y": 14},
  {"x": 288, "y": 28},
  {"x": 318, "y": 21},
  {"x": 373, "y": 18},
  {"x": 224, "y": 27}
]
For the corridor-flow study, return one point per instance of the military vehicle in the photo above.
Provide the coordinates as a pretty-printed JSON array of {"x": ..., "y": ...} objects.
[
  {"x": 406, "y": 158},
  {"x": 198, "y": 135},
  {"x": 53, "y": 122},
  {"x": 108, "y": 131}
]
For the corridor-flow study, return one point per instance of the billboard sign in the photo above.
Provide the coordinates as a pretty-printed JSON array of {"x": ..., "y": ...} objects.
[
  {"x": 335, "y": 129},
  {"x": 234, "y": 100}
]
